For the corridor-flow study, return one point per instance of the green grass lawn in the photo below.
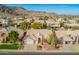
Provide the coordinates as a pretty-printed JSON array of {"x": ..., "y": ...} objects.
[{"x": 9, "y": 46}]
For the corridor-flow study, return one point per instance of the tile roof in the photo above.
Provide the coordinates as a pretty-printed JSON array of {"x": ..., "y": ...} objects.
[{"x": 42, "y": 33}]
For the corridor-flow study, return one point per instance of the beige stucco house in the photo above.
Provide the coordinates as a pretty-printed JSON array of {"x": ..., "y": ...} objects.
[
  {"x": 68, "y": 36},
  {"x": 34, "y": 35}
]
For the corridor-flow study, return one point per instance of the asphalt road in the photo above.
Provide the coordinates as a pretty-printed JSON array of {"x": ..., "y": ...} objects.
[{"x": 22, "y": 52}]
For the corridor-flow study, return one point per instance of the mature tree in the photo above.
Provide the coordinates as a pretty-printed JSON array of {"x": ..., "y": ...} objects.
[
  {"x": 36, "y": 25},
  {"x": 44, "y": 24},
  {"x": 65, "y": 18},
  {"x": 40, "y": 18},
  {"x": 13, "y": 36},
  {"x": 61, "y": 24},
  {"x": 46, "y": 18},
  {"x": 1, "y": 24},
  {"x": 32, "y": 20},
  {"x": 24, "y": 25}
]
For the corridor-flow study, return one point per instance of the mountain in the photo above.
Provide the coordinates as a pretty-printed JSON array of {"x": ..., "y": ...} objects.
[
  {"x": 12, "y": 10},
  {"x": 19, "y": 11}
]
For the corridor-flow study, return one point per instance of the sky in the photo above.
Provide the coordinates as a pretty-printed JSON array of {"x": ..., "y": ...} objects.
[{"x": 52, "y": 8}]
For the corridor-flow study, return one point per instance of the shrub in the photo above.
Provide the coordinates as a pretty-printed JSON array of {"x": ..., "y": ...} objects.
[
  {"x": 52, "y": 40},
  {"x": 36, "y": 25}
]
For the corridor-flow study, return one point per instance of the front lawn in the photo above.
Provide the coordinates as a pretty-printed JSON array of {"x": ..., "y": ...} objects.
[{"x": 9, "y": 46}]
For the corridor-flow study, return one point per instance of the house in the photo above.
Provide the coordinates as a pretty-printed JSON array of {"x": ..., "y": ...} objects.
[
  {"x": 4, "y": 20},
  {"x": 35, "y": 35},
  {"x": 68, "y": 37},
  {"x": 72, "y": 25},
  {"x": 52, "y": 23},
  {"x": 28, "y": 20},
  {"x": 72, "y": 21},
  {"x": 18, "y": 21},
  {"x": 39, "y": 21},
  {"x": 10, "y": 28}
]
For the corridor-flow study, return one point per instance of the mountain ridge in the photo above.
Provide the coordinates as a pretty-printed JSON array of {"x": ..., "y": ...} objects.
[{"x": 22, "y": 11}]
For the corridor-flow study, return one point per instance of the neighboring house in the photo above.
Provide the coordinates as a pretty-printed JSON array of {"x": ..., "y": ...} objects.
[
  {"x": 72, "y": 21},
  {"x": 34, "y": 35},
  {"x": 4, "y": 32},
  {"x": 28, "y": 19},
  {"x": 68, "y": 37},
  {"x": 71, "y": 25},
  {"x": 18, "y": 21},
  {"x": 10, "y": 28},
  {"x": 52, "y": 23},
  {"x": 4, "y": 20},
  {"x": 39, "y": 21}
]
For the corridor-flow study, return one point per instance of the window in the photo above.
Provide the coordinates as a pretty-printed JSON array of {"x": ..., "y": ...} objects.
[{"x": 67, "y": 42}]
